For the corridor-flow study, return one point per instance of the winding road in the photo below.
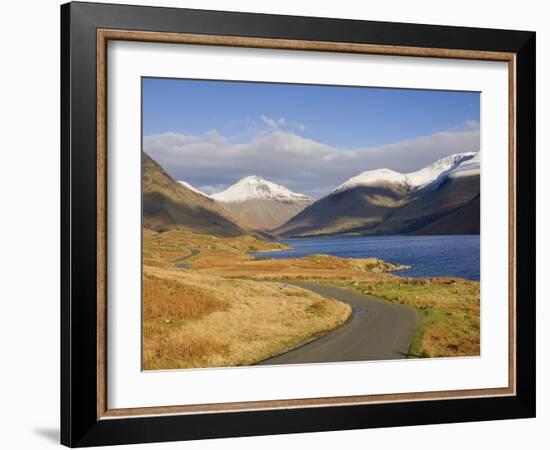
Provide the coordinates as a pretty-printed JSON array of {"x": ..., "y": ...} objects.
[
  {"x": 377, "y": 330},
  {"x": 180, "y": 262}
]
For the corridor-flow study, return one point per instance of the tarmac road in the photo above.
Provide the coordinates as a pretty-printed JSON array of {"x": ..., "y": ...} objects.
[
  {"x": 377, "y": 330},
  {"x": 181, "y": 264}
]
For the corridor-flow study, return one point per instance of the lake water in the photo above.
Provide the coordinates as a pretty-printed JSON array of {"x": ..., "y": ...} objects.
[{"x": 429, "y": 256}]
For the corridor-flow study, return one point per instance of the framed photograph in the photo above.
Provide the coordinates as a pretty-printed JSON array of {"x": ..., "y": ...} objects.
[{"x": 276, "y": 224}]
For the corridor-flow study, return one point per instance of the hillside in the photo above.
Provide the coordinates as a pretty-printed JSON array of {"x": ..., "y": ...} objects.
[
  {"x": 428, "y": 207},
  {"x": 437, "y": 199},
  {"x": 362, "y": 207},
  {"x": 167, "y": 204},
  {"x": 463, "y": 220}
]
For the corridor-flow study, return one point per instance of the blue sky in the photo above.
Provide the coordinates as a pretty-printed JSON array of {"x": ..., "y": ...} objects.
[
  {"x": 335, "y": 115},
  {"x": 209, "y": 133}
]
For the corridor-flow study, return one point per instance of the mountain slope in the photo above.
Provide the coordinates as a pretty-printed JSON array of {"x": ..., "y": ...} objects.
[
  {"x": 429, "y": 205},
  {"x": 168, "y": 204},
  {"x": 462, "y": 220},
  {"x": 261, "y": 204},
  {"x": 362, "y": 207},
  {"x": 191, "y": 187},
  {"x": 383, "y": 201}
]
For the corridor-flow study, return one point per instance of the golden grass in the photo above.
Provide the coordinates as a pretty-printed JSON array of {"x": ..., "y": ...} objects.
[
  {"x": 171, "y": 300},
  {"x": 458, "y": 336},
  {"x": 449, "y": 308},
  {"x": 243, "y": 313},
  {"x": 164, "y": 349},
  {"x": 230, "y": 257},
  {"x": 235, "y": 322}
]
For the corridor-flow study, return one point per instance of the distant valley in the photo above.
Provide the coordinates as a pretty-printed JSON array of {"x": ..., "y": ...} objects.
[{"x": 442, "y": 198}]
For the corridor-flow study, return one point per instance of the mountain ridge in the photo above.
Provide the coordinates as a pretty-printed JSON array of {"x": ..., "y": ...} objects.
[
  {"x": 168, "y": 204},
  {"x": 253, "y": 186},
  {"x": 261, "y": 204},
  {"x": 192, "y": 188},
  {"x": 413, "y": 180},
  {"x": 384, "y": 201}
]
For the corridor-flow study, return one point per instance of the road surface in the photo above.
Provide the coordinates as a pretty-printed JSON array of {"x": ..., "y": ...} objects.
[
  {"x": 181, "y": 264},
  {"x": 377, "y": 330}
]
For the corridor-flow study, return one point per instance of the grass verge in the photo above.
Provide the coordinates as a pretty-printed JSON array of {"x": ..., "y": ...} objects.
[
  {"x": 449, "y": 311},
  {"x": 192, "y": 320}
]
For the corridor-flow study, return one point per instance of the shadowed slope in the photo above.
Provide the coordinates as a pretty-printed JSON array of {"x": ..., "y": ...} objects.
[
  {"x": 428, "y": 207},
  {"x": 448, "y": 208},
  {"x": 463, "y": 220},
  {"x": 168, "y": 204},
  {"x": 363, "y": 207}
]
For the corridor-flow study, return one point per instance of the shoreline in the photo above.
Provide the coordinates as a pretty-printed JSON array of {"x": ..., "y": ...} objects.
[
  {"x": 446, "y": 306},
  {"x": 401, "y": 270}
]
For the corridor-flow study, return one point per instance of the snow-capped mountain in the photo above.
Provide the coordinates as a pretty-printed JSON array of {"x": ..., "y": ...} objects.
[
  {"x": 442, "y": 198},
  {"x": 192, "y": 188},
  {"x": 414, "y": 180},
  {"x": 169, "y": 205},
  {"x": 468, "y": 167},
  {"x": 261, "y": 204},
  {"x": 373, "y": 178},
  {"x": 254, "y": 187}
]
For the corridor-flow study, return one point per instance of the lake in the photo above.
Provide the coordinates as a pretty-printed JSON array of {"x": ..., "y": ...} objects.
[{"x": 429, "y": 256}]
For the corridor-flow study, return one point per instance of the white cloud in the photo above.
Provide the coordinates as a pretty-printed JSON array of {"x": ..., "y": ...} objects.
[
  {"x": 299, "y": 126},
  {"x": 280, "y": 124},
  {"x": 212, "y": 161},
  {"x": 472, "y": 124},
  {"x": 274, "y": 124}
]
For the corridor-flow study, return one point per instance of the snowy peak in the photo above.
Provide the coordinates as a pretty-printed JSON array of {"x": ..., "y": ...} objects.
[
  {"x": 427, "y": 176},
  {"x": 468, "y": 167},
  {"x": 373, "y": 177},
  {"x": 192, "y": 188},
  {"x": 254, "y": 187},
  {"x": 438, "y": 170}
]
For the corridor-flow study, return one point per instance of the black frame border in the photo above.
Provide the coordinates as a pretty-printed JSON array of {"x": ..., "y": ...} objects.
[{"x": 79, "y": 424}]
